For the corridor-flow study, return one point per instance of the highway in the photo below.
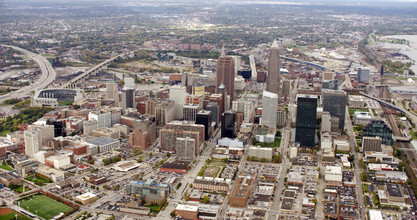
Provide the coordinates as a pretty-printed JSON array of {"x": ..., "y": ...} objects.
[{"x": 47, "y": 77}]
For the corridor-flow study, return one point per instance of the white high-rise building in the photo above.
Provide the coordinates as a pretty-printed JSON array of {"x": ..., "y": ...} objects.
[
  {"x": 36, "y": 137},
  {"x": 326, "y": 124},
  {"x": 269, "y": 109},
  {"x": 178, "y": 94},
  {"x": 112, "y": 92},
  {"x": 32, "y": 141}
]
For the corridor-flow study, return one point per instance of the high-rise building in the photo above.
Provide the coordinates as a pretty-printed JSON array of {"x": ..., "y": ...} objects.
[
  {"x": 204, "y": 117},
  {"x": 363, "y": 74},
  {"x": 128, "y": 98},
  {"x": 32, "y": 141},
  {"x": 228, "y": 124},
  {"x": 269, "y": 109},
  {"x": 36, "y": 137},
  {"x": 225, "y": 74},
  {"x": 379, "y": 128},
  {"x": 371, "y": 144},
  {"x": 178, "y": 94},
  {"x": 185, "y": 148},
  {"x": 306, "y": 120},
  {"x": 326, "y": 122},
  {"x": 286, "y": 87},
  {"x": 112, "y": 92},
  {"x": 280, "y": 117},
  {"x": 139, "y": 140},
  {"x": 334, "y": 102},
  {"x": 190, "y": 112},
  {"x": 327, "y": 75},
  {"x": 273, "y": 78},
  {"x": 214, "y": 108}
]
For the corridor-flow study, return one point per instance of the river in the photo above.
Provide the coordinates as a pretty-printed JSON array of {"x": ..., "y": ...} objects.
[{"x": 410, "y": 51}]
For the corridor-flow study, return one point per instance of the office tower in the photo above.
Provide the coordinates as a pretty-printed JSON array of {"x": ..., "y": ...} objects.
[
  {"x": 245, "y": 106},
  {"x": 228, "y": 124},
  {"x": 204, "y": 117},
  {"x": 371, "y": 144},
  {"x": 236, "y": 60},
  {"x": 218, "y": 98},
  {"x": 327, "y": 75},
  {"x": 330, "y": 84},
  {"x": 286, "y": 87},
  {"x": 178, "y": 94},
  {"x": 273, "y": 78},
  {"x": 378, "y": 128},
  {"x": 326, "y": 122},
  {"x": 363, "y": 74},
  {"x": 190, "y": 112},
  {"x": 281, "y": 118},
  {"x": 334, "y": 102},
  {"x": 269, "y": 109},
  {"x": 112, "y": 92},
  {"x": 214, "y": 108},
  {"x": 306, "y": 120},
  {"x": 225, "y": 74},
  {"x": 185, "y": 148},
  {"x": 198, "y": 89},
  {"x": 128, "y": 98},
  {"x": 139, "y": 140}
]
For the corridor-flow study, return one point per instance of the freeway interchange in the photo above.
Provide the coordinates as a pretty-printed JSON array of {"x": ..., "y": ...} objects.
[{"x": 47, "y": 77}]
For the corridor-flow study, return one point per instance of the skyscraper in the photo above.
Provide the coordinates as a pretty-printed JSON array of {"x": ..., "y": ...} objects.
[
  {"x": 334, "y": 102},
  {"x": 306, "y": 120},
  {"x": 286, "y": 87},
  {"x": 128, "y": 98},
  {"x": 112, "y": 92},
  {"x": 178, "y": 94},
  {"x": 363, "y": 74},
  {"x": 228, "y": 124},
  {"x": 273, "y": 78},
  {"x": 225, "y": 73},
  {"x": 269, "y": 109},
  {"x": 204, "y": 118}
]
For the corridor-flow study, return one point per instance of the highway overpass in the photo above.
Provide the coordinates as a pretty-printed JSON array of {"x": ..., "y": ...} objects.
[{"x": 47, "y": 77}]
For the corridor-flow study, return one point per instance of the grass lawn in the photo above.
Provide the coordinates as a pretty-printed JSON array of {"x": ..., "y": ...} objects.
[
  {"x": 20, "y": 189},
  {"x": 155, "y": 208},
  {"x": 38, "y": 181},
  {"x": 47, "y": 208},
  {"x": 9, "y": 214},
  {"x": 277, "y": 142},
  {"x": 6, "y": 167}
]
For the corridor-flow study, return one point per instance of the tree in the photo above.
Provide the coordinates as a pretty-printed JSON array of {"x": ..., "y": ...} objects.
[
  {"x": 364, "y": 177},
  {"x": 205, "y": 199},
  {"x": 140, "y": 159}
]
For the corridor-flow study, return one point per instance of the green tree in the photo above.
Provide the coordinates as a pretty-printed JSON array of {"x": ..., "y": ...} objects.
[{"x": 205, "y": 199}]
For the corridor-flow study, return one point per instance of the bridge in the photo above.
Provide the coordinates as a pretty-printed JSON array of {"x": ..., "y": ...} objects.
[
  {"x": 307, "y": 63},
  {"x": 92, "y": 71},
  {"x": 383, "y": 102}
]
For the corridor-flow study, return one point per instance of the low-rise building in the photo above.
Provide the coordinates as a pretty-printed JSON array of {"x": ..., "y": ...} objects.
[
  {"x": 86, "y": 198},
  {"x": 260, "y": 152},
  {"x": 53, "y": 174},
  {"x": 186, "y": 211},
  {"x": 391, "y": 176},
  {"x": 104, "y": 144},
  {"x": 211, "y": 184},
  {"x": 333, "y": 175}
]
